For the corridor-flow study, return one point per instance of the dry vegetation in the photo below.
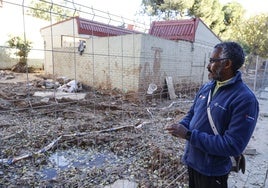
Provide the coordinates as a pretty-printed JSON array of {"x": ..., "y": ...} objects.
[{"x": 100, "y": 139}]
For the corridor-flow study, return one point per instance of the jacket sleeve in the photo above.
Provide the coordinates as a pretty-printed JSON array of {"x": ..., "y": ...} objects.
[
  {"x": 188, "y": 117},
  {"x": 235, "y": 139}
]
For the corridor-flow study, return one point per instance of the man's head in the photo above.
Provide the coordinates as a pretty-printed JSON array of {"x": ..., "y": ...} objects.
[{"x": 226, "y": 59}]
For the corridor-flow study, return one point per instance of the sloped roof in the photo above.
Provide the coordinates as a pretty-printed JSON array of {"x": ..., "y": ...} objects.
[
  {"x": 170, "y": 30},
  {"x": 175, "y": 29},
  {"x": 90, "y": 27}
]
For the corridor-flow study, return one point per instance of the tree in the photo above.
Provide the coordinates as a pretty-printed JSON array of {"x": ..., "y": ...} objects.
[
  {"x": 254, "y": 35},
  {"x": 233, "y": 18},
  {"x": 23, "y": 47},
  {"x": 210, "y": 11},
  {"x": 228, "y": 21},
  {"x": 49, "y": 11},
  {"x": 167, "y": 9}
]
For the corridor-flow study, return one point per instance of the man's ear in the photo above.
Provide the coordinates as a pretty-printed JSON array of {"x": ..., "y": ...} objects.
[{"x": 228, "y": 64}]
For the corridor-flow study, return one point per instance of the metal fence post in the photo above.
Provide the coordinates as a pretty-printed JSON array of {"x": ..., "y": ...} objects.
[{"x": 256, "y": 73}]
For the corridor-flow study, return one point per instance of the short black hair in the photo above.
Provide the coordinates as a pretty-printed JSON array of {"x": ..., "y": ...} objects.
[{"x": 234, "y": 52}]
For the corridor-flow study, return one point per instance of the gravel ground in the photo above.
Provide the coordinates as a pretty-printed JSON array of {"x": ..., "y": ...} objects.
[
  {"x": 105, "y": 139},
  {"x": 90, "y": 142},
  {"x": 257, "y": 159}
]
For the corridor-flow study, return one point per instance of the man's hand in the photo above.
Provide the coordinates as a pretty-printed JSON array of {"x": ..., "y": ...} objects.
[{"x": 177, "y": 130}]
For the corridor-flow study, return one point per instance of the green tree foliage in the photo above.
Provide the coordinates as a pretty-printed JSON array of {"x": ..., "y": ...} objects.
[
  {"x": 167, "y": 9},
  {"x": 23, "y": 47},
  {"x": 49, "y": 11},
  {"x": 254, "y": 35},
  {"x": 234, "y": 15},
  {"x": 202, "y": 9},
  {"x": 228, "y": 21},
  {"x": 210, "y": 11}
]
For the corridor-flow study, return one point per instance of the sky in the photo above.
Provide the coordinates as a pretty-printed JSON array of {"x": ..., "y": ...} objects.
[{"x": 124, "y": 8}]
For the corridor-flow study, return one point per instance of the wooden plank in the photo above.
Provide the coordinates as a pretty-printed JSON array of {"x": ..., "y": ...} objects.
[{"x": 171, "y": 90}]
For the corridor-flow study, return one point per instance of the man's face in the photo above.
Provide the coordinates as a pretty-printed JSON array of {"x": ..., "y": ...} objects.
[{"x": 216, "y": 65}]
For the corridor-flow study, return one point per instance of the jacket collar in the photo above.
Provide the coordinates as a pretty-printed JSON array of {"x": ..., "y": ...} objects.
[{"x": 236, "y": 78}]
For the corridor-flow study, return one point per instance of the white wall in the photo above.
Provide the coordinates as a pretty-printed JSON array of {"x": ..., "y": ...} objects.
[
  {"x": 53, "y": 39},
  {"x": 205, "y": 41},
  {"x": 14, "y": 22},
  {"x": 205, "y": 36},
  {"x": 161, "y": 58},
  {"x": 129, "y": 62}
]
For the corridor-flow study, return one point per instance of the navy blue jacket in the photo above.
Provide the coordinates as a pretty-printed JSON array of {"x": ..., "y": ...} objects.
[{"x": 234, "y": 110}]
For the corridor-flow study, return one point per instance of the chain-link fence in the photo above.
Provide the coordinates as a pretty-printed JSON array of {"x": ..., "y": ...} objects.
[
  {"x": 255, "y": 73},
  {"x": 93, "y": 137}
]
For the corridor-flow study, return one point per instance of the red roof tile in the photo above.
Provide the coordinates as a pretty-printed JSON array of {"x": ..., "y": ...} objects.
[
  {"x": 175, "y": 29},
  {"x": 90, "y": 27}
]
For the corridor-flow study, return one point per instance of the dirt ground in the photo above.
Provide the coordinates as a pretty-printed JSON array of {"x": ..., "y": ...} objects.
[
  {"x": 91, "y": 142},
  {"x": 256, "y": 174},
  {"x": 102, "y": 139}
]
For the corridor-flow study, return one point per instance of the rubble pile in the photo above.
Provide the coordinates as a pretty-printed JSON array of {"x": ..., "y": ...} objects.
[{"x": 94, "y": 140}]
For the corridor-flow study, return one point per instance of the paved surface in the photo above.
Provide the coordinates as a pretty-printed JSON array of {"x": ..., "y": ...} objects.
[{"x": 256, "y": 162}]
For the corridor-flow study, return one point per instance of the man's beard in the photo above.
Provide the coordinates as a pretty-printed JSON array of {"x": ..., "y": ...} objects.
[{"x": 215, "y": 75}]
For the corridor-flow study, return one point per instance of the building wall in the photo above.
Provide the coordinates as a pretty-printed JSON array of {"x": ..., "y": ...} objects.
[
  {"x": 205, "y": 40},
  {"x": 61, "y": 36},
  {"x": 53, "y": 35},
  {"x": 205, "y": 36},
  {"x": 9, "y": 63},
  {"x": 116, "y": 61},
  {"x": 107, "y": 63},
  {"x": 14, "y": 23},
  {"x": 130, "y": 62},
  {"x": 161, "y": 58},
  {"x": 201, "y": 55}
]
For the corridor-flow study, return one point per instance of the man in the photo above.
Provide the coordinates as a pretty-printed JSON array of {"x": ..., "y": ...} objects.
[{"x": 234, "y": 110}]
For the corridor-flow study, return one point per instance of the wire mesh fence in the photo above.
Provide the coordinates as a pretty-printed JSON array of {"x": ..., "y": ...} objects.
[
  {"x": 256, "y": 73},
  {"x": 95, "y": 136}
]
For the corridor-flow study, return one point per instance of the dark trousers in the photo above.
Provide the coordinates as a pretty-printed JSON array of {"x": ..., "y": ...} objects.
[{"x": 197, "y": 180}]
